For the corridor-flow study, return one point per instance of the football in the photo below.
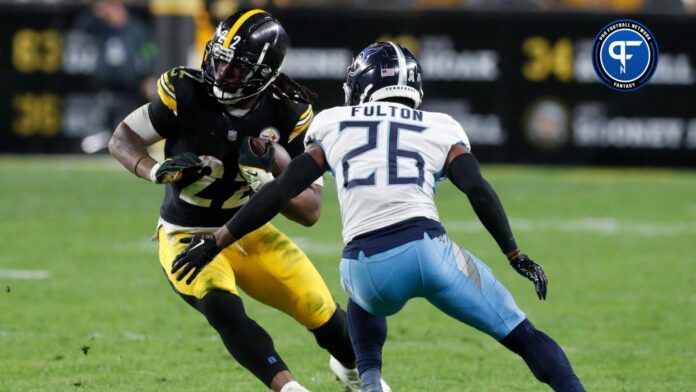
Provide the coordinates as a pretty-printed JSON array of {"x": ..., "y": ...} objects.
[{"x": 281, "y": 158}]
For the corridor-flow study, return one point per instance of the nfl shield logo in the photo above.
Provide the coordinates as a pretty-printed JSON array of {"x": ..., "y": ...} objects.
[{"x": 231, "y": 135}]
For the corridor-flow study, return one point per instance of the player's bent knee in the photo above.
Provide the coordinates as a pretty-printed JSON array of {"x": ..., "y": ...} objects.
[
  {"x": 315, "y": 309},
  {"x": 222, "y": 308}
]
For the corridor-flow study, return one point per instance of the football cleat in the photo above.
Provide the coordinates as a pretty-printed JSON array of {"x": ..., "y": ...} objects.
[{"x": 350, "y": 377}]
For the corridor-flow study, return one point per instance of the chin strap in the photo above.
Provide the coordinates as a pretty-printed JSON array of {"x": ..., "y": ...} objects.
[
  {"x": 220, "y": 95},
  {"x": 224, "y": 97}
]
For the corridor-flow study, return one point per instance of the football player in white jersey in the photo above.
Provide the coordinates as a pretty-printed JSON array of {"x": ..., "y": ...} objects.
[{"x": 386, "y": 157}]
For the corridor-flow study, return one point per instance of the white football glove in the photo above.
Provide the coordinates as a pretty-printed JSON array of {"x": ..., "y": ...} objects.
[
  {"x": 256, "y": 169},
  {"x": 256, "y": 178}
]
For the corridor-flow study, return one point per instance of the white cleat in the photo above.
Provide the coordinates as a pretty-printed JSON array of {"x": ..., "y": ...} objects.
[
  {"x": 293, "y": 386},
  {"x": 350, "y": 377}
]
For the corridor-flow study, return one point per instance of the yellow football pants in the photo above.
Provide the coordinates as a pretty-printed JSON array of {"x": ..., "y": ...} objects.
[{"x": 265, "y": 264}]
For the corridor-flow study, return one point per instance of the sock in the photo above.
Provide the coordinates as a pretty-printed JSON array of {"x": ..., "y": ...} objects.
[
  {"x": 248, "y": 343},
  {"x": 544, "y": 356},
  {"x": 292, "y": 385},
  {"x": 368, "y": 334},
  {"x": 333, "y": 337},
  {"x": 371, "y": 380}
]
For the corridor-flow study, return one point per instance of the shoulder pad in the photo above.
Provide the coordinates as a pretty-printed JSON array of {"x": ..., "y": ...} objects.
[{"x": 171, "y": 82}]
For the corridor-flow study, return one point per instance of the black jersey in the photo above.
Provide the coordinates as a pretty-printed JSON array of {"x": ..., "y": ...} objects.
[{"x": 191, "y": 120}]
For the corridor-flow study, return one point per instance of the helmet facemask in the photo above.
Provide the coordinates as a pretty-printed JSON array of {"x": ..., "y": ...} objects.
[{"x": 235, "y": 78}]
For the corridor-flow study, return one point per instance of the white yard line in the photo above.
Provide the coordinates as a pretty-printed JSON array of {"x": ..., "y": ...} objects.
[
  {"x": 19, "y": 274},
  {"x": 318, "y": 248},
  {"x": 134, "y": 336},
  {"x": 608, "y": 226}
]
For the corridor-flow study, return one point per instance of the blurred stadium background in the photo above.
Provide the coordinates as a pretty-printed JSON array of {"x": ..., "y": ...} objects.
[
  {"x": 83, "y": 303},
  {"x": 516, "y": 72}
]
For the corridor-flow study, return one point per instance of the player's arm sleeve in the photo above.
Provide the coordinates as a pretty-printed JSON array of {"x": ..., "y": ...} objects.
[
  {"x": 465, "y": 173},
  {"x": 139, "y": 122},
  {"x": 273, "y": 198}
]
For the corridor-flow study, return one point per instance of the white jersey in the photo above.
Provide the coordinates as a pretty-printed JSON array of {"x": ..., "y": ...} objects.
[{"x": 386, "y": 158}]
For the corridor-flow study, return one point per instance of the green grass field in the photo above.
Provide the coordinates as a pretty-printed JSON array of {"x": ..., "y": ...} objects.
[{"x": 84, "y": 304}]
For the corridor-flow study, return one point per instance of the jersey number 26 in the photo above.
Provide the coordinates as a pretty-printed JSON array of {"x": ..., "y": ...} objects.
[{"x": 393, "y": 153}]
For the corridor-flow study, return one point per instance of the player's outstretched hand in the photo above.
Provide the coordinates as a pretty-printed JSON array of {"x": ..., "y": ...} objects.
[
  {"x": 532, "y": 271},
  {"x": 201, "y": 250},
  {"x": 177, "y": 167},
  {"x": 256, "y": 169}
]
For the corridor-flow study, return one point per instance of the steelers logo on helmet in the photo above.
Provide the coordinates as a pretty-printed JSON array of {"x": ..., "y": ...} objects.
[{"x": 624, "y": 55}]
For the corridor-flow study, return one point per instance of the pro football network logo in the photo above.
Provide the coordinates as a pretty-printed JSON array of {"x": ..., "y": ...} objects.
[{"x": 624, "y": 55}]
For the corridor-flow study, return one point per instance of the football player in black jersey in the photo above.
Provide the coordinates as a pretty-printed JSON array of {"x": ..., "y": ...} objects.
[{"x": 207, "y": 118}]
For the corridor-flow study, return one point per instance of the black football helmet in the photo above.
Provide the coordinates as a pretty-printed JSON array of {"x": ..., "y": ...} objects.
[
  {"x": 384, "y": 70},
  {"x": 244, "y": 56}
]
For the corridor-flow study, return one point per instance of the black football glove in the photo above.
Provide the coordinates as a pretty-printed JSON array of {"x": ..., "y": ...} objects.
[
  {"x": 256, "y": 169},
  {"x": 532, "y": 271},
  {"x": 177, "y": 167},
  {"x": 201, "y": 250}
]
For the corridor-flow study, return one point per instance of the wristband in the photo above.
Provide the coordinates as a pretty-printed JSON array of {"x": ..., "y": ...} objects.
[
  {"x": 153, "y": 172},
  {"x": 512, "y": 255}
]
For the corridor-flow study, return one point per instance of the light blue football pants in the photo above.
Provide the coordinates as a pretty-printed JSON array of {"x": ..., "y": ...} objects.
[{"x": 437, "y": 269}]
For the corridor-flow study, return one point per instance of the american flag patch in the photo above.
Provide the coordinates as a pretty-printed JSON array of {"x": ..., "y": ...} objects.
[
  {"x": 388, "y": 72},
  {"x": 231, "y": 135}
]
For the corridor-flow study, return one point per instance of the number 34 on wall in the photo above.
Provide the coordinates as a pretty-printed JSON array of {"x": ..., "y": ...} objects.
[
  {"x": 37, "y": 51},
  {"x": 546, "y": 58}
]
